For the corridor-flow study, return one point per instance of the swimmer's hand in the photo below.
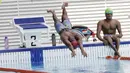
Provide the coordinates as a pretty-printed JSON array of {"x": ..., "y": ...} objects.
[
  {"x": 73, "y": 54},
  {"x": 119, "y": 35},
  {"x": 84, "y": 53}
]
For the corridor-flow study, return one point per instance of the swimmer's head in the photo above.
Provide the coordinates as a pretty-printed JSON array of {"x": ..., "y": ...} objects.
[
  {"x": 108, "y": 11},
  {"x": 74, "y": 44}
]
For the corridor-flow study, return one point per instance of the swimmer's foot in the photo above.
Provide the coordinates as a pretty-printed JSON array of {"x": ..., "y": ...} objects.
[
  {"x": 65, "y": 4},
  {"x": 50, "y": 11},
  {"x": 116, "y": 55}
]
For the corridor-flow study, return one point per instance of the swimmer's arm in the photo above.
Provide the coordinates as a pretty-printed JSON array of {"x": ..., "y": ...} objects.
[
  {"x": 68, "y": 43},
  {"x": 70, "y": 47},
  {"x": 81, "y": 44},
  {"x": 99, "y": 28},
  {"x": 119, "y": 29},
  {"x": 72, "y": 50}
]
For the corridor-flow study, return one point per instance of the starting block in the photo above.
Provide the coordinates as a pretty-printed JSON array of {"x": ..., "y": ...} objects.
[{"x": 30, "y": 29}]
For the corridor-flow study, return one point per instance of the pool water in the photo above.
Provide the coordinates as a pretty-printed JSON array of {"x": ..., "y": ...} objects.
[
  {"x": 60, "y": 61},
  {"x": 98, "y": 65}
]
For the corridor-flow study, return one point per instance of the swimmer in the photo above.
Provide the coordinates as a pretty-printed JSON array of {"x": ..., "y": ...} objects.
[
  {"x": 109, "y": 26},
  {"x": 71, "y": 39}
]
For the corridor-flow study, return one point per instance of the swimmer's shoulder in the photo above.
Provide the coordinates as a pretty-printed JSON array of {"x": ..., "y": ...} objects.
[
  {"x": 101, "y": 21},
  {"x": 116, "y": 21}
]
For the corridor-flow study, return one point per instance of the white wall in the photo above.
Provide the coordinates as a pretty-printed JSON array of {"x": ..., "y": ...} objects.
[{"x": 81, "y": 12}]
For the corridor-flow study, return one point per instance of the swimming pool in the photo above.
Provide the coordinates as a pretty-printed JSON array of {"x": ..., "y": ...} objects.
[{"x": 58, "y": 59}]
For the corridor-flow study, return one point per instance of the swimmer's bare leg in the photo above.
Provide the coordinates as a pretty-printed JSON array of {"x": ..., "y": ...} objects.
[
  {"x": 55, "y": 19},
  {"x": 117, "y": 43},
  {"x": 64, "y": 12},
  {"x": 110, "y": 41}
]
